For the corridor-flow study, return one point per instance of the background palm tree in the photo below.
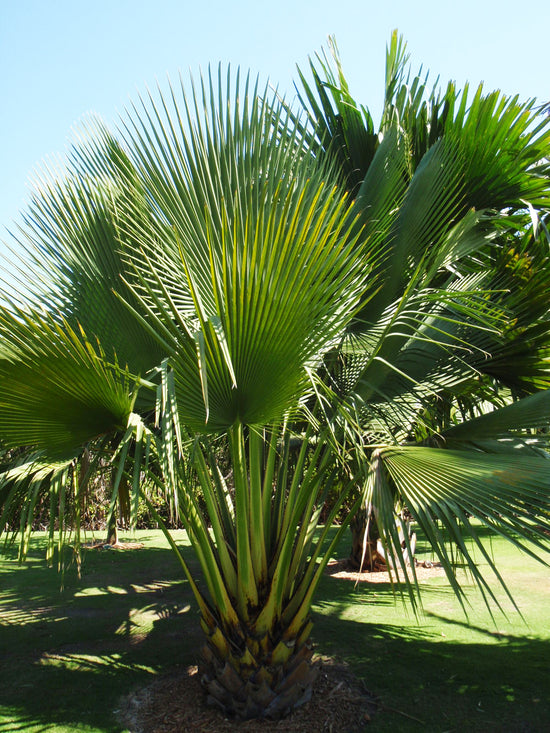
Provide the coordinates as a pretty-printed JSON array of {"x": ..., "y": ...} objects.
[
  {"x": 515, "y": 268},
  {"x": 207, "y": 279}
]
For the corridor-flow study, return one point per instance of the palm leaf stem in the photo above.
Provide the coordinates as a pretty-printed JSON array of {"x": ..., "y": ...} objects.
[
  {"x": 215, "y": 504},
  {"x": 268, "y": 504},
  {"x": 256, "y": 446},
  {"x": 297, "y": 609},
  {"x": 248, "y": 590},
  {"x": 203, "y": 605}
]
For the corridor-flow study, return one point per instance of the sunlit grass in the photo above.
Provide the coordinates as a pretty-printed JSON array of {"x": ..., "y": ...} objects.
[{"x": 68, "y": 654}]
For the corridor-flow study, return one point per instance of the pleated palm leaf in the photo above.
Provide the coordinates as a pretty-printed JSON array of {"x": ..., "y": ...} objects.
[{"x": 72, "y": 353}]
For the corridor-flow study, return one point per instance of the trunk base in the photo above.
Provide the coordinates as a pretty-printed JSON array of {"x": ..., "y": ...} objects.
[
  {"x": 367, "y": 554},
  {"x": 248, "y": 685}
]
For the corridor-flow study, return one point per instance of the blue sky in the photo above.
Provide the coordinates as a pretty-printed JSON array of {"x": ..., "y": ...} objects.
[{"x": 61, "y": 59}]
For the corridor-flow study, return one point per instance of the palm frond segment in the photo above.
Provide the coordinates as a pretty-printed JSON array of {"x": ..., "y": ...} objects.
[
  {"x": 261, "y": 264},
  {"x": 450, "y": 493},
  {"x": 59, "y": 391}
]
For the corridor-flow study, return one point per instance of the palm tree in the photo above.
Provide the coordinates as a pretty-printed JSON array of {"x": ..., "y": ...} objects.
[
  {"x": 516, "y": 272},
  {"x": 206, "y": 280}
]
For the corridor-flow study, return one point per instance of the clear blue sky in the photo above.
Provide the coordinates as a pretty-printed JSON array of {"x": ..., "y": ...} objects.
[{"x": 60, "y": 59}]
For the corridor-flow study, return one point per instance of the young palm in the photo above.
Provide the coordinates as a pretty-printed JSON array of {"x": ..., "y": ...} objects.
[{"x": 262, "y": 310}]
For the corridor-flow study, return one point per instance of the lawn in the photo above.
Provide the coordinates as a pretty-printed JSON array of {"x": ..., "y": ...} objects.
[{"x": 68, "y": 655}]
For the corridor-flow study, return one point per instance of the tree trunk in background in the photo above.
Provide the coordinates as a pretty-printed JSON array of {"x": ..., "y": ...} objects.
[
  {"x": 112, "y": 531},
  {"x": 374, "y": 556},
  {"x": 372, "y": 559}
]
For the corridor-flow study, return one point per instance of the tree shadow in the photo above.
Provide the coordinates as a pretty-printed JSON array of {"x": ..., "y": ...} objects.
[
  {"x": 425, "y": 682},
  {"x": 67, "y": 656}
]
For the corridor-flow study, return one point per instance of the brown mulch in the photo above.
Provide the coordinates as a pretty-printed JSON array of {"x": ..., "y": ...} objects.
[
  {"x": 176, "y": 704},
  {"x": 116, "y": 546},
  {"x": 340, "y": 569}
]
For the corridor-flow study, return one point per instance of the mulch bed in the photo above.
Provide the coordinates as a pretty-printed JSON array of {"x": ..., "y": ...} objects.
[
  {"x": 116, "y": 546},
  {"x": 340, "y": 704},
  {"x": 423, "y": 570}
]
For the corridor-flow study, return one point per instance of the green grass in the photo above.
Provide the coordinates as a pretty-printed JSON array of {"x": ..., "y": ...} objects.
[
  {"x": 67, "y": 656},
  {"x": 449, "y": 672}
]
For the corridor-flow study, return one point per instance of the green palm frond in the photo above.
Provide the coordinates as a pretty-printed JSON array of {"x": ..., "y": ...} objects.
[
  {"x": 74, "y": 263},
  {"x": 59, "y": 391},
  {"x": 264, "y": 271},
  {"x": 24, "y": 481},
  {"x": 530, "y": 413},
  {"x": 343, "y": 129},
  {"x": 456, "y": 488}
]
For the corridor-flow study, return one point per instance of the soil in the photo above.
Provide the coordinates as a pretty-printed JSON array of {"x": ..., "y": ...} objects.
[
  {"x": 339, "y": 704},
  {"x": 115, "y": 546},
  {"x": 340, "y": 569}
]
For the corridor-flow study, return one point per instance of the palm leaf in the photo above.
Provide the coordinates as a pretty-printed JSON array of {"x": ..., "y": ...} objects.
[
  {"x": 452, "y": 488},
  {"x": 74, "y": 263},
  {"x": 59, "y": 392},
  {"x": 264, "y": 270},
  {"x": 529, "y": 414}
]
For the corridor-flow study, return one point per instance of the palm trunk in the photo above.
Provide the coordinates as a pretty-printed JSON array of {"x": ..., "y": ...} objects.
[
  {"x": 262, "y": 554},
  {"x": 364, "y": 554},
  {"x": 112, "y": 531},
  {"x": 251, "y": 677},
  {"x": 367, "y": 552}
]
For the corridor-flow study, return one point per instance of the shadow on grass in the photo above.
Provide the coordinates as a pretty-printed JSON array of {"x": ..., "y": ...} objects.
[
  {"x": 426, "y": 682},
  {"x": 67, "y": 657}
]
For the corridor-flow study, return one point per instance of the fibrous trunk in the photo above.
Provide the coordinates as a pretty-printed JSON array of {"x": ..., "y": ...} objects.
[
  {"x": 364, "y": 554},
  {"x": 250, "y": 677},
  {"x": 112, "y": 531},
  {"x": 367, "y": 550}
]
